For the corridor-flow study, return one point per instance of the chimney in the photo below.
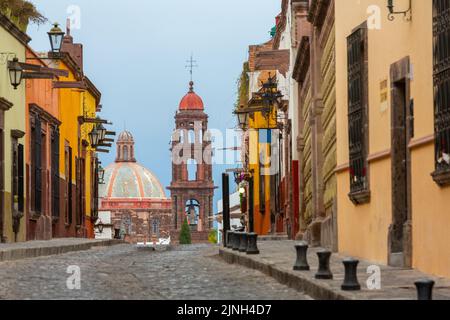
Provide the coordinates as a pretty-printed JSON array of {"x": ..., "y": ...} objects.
[{"x": 75, "y": 50}]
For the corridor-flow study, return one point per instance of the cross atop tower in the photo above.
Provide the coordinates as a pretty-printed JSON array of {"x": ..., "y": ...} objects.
[{"x": 191, "y": 65}]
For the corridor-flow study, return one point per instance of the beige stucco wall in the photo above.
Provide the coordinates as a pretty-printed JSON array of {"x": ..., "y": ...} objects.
[
  {"x": 14, "y": 120},
  {"x": 363, "y": 230}
]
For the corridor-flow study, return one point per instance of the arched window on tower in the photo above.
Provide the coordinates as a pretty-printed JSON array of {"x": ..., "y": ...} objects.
[
  {"x": 125, "y": 153},
  {"x": 191, "y": 134},
  {"x": 192, "y": 169}
]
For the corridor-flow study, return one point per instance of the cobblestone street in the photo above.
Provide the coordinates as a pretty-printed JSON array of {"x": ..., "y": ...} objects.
[{"x": 124, "y": 272}]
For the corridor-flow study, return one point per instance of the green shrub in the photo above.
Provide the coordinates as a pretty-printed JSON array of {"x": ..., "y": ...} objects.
[
  {"x": 212, "y": 237},
  {"x": 185, "y": 234}
]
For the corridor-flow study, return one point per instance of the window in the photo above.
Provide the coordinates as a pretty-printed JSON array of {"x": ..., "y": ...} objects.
[
  {"x": 155, "y": 228},
  {"x": 125, "y": 153},
  {"x": 36, "y": 164},
  {"x": 358, "y": 115},
  {"x": 18, "y": 176},
  {"x": 441, "y": 80},
  {"x": 55, "y": 172},
  {"x": 192, "y": 167}
]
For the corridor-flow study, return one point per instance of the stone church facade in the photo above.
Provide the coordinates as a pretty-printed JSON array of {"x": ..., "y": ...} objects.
[{"x": 134, "y": 197}]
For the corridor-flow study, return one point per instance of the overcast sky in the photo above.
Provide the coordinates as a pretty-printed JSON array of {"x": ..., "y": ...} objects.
[{"x": 135, "y": 52}]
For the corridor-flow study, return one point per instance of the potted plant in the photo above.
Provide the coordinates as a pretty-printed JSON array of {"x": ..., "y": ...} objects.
[{"x": 21, "y": 13}]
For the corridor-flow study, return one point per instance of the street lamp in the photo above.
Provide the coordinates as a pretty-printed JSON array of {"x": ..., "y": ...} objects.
[
  {"x": 101, "y": 132},
  {"x": 101, "y": 175},
  {"x": 94, "y": 137},
  {"x": 56, "y": 38},
  {"x": 15, "y": 73},
  {"x": 242, "y": 118},
  {"x": 392, "y": 12},
  {"x": 270, "y": 93}
]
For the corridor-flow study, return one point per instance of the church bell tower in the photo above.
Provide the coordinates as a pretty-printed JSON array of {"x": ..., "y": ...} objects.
[{"x": 192, "y": 187}]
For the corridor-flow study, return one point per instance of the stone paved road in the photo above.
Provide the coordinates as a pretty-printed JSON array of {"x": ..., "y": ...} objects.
[{"x": 123, "y": 272}]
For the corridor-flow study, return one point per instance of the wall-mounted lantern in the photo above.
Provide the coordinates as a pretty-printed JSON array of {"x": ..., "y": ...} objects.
[
  {"x": 392, "y": 12},
  {"x": 101, "y": 175},
  {"x": 242, "y": 117},
  {"x": 101, "y": 132},
  {"x": 94, "y": 137},
  {"x": 15, "y": 73},
  {"x": 56, "y": 36}
]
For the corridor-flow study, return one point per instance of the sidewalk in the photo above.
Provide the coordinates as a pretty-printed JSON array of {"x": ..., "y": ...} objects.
[
  {"x": 277, "y": 259},
  {"x": 33, "y": 249}
]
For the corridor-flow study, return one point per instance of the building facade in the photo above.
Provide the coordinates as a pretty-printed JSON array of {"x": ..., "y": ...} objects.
[
  {"x": 393, "y": 146},
  {"x": 12, "y": 132},
  {"x": 42, "y": 145},
  {"x": 133, "y": 204}
]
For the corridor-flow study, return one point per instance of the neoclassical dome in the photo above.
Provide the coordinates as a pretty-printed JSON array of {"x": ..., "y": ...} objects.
[
  {"x": 130, "y": 180},
  {"x": 126, "y": 178},
  {"x": 191, "y": 101}
]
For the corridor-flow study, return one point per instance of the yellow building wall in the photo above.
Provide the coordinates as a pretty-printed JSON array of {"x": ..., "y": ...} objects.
[
  {"x": 70, "y": 105},
  {"x": 90, "y": 107},
  {"x": 14, "y": 120},
  {"x": 262, "y": 221},
  {"x": 363, "y": 230},
  {"x": 76, "y": 103}
]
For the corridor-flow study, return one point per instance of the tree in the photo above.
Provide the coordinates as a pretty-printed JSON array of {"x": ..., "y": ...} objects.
[{"x": 185, "y": 234}]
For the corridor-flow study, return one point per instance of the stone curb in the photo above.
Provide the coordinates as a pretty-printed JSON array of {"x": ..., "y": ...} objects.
[
  {"x": 316, "y": 289},
  {"x": 34, "y": 252}
]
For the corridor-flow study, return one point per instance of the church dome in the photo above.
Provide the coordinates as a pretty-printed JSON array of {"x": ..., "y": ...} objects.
[
  {"x": 130, "y": 180},
  {"x": 126, "y": 179},
  {"x": 191, "y": 101},
  {"x": 125, "y": 136}
]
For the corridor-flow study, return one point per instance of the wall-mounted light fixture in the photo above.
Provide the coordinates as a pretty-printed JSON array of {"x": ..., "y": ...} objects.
[
  {"x": 391, "y": 7},
  {"x": 56, "y": 36},
  {"x": 15, "y": 73}
]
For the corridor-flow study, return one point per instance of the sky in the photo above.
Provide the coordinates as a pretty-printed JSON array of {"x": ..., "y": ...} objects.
[{"x": 135, "y": 52}]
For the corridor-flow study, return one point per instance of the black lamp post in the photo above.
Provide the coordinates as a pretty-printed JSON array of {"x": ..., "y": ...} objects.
[
  {"x": 101, "y": 175},
  {"x": 56, "y": 36},
  {"x": 15, "y": 73},
  {"x": 94, "y": 137}
]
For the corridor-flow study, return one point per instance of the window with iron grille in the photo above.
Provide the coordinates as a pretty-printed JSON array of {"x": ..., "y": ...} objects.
[
  {"x": 441, "y": 80},
  {"x": 358, "y": 115}
]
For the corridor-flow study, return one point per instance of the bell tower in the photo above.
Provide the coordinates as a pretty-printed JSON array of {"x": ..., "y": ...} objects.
[{"x": 192, "y": 187}]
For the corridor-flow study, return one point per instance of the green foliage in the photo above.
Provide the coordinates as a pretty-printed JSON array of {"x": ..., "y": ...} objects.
[
  {"x": 21, "y": 13},
  {"x": 243, "y": 86},
  {"x": 185, "y": 234},
  {"x": 212, "y": 237}
]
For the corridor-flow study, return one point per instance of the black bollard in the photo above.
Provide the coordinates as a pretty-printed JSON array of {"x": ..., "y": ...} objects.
[
  {"x": 324, "y": 271},
  {"x": 244, "y": 242},
  {"x": 424, "y": 289},
  {"x": 302, "y": 257},
  {"x": 252, "y": 243},
  {"x": 237, "y": 241},
  {"x": 229, "y": 239},
  {"x": 351, "y": 275}
]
